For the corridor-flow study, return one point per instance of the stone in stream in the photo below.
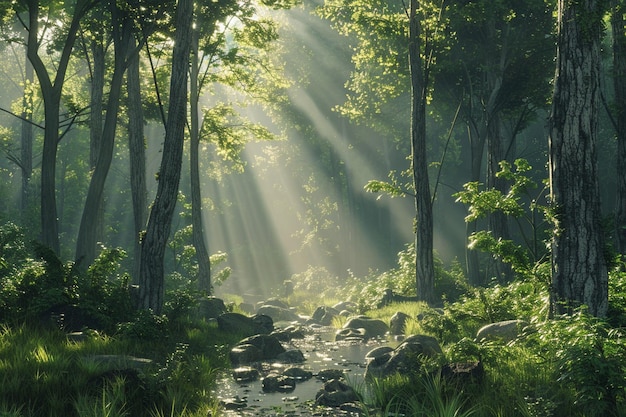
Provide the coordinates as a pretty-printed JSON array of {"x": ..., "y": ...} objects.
[
  {"x": 247, "y": 326},
  {"x": 335, "y": 393},
  {"x": 298, "y": 374},
  {"x": 373, "y": 327},
  {"x": 291, "y": 356},
  {"x": 245, "y": 374},
  {"x": 278, "y": 383},
  {"x": 351, "y": 335},
  {"x": 278, "y": 313},
  {"x": 245, "y": 353},
  {"x": 269, "y": 346},
  {"x": 324, "y": 315},
  {"x": 328, "y": 374}
]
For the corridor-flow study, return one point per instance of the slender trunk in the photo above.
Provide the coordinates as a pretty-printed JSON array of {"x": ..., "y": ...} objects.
[
  {"x": 159, "y": 224},
  {"x": 202, "y": 253},
  {"x": 26, "y": 153},
  {"x": 424, "y": 263},
  {"x": 579, "y": 270},
  {"x": 87, "y": 235},
  {"x": 137, "y": 151},
  {"x": 619, "y": 83}
]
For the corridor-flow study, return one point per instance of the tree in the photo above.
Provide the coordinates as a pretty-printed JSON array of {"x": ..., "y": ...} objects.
[
  {"x": 579, "y": 269},
  {"x": 161, "y": 214},
  {"x": 424, "y": 263},
  {"x": 51, "y": 90},
  {"x": 619, "y": 117}
]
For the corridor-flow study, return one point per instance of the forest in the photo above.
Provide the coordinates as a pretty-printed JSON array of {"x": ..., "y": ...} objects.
[{"x": 461, "y": 160}]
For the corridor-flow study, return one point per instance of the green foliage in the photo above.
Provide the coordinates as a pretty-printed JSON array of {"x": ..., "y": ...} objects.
[
  {"x": 145, "y": 327},
  {"x": 518, "y": 203},
  {"x": 589, "y": 359}
]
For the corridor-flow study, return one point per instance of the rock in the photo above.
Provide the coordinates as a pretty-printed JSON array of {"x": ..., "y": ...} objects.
[
  {"x": 350, "y": 334},
  {"x": 246, "y": 308},
  {"x": 235, "y": 403},
  {"x": 373, "y": 327},
  {"x": 291, "y": 356},
  {"x": 346, "y": 306},
  {"x": 211, "y": 307},
  {"x": 397, "y": 323},
  {"x": 245, "y": 374},
  {"x": 273, "y": 302},
  {"x": 324, "y": 315},
  {"x": 278, "y": 383},
  {"x": 405, "y": 359},
  {"x": 328, "y": 374},
  {"x": 245, "y": 354},
  {"x": 269, "y": 346},
  {"x": 244, "y": 325},
  {"x": 504, "y": 331},
  {"x": 335, "y": 393},
  {"x": 264, "y": 323},
  {"x": 298, "y": 374},
  {"x": 378, "y": 351},
  {"x": 278, "y": 313},
  {"x": 288, "y": 333}
]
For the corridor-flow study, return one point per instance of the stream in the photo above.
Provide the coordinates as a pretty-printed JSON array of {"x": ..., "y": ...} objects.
[{"x": 321, "y": 352}]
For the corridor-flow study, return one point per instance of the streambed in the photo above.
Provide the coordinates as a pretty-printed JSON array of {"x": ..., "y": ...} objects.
[{"x": 321, "y": 352}]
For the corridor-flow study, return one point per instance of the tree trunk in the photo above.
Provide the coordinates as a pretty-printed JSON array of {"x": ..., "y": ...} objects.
[
  {"x": 202, "y": 253},
  {"x": 86, "y": 243},
  {"x": 159, "y": 224},
  {"x": 619, "y": 84},
  {"x": 137, "y": 151},
  {"x": 51, "y": 95},
  {"x": 579, "y": 270},
  {"x": 424, "y": 263},
  {"x": 26, "y": 153}
]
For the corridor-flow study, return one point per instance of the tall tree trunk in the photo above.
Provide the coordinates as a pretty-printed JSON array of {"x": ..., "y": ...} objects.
[
  {"x": 199, "y": 243},
  {"x": 579, "y": 270},
  {"x": 88, "y": 232},
  {"x": 137, "y": 151},
  {"x": 159, "y": 224},
  {"x": 26, "y": 153},
  {"x": 51, "y": 95},
  {"x": 619, "y": 84},
  {"x": 424, "y": 263},
  {"x": 96, "y": 117}
]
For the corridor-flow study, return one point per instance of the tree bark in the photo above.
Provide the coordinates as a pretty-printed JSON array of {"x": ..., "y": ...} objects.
[
  {"x": 86, "y": 243},
  {"x": 424, "y": 263},
  {"x": 51, "y": 95},
  {"x": 137, "y": 151},
  {"x": 619, "y": 84},
  {"x": 202, "y": 253},
  {"x": 159, "y": 224},
  {"x": 579, "y": 270},
  {"x": 26, "y": 152}
]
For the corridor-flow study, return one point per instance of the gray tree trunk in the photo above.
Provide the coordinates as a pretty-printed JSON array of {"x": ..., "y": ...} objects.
[
  {"x": 137, "y": 150},
  {"x": 424, "y": 263},
  {"x": 619, "y": 84},
  {"x": 202, "y": 253},
  {"x": 579, "y": 270},
  {"x": 86, "y": 243},
  {"x": 159, "y": 224}
]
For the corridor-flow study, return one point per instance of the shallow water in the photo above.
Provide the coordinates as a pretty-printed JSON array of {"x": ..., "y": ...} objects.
[{"x": 320, "y": 352}]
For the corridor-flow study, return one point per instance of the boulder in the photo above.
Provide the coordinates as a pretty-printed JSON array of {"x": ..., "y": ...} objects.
[
  {"x": 211, "y": 307},
  {"x": 324, "y": 315},
  {"x": 288, "y": 333},
  {"x": 245, "y": 354},
  {"x": 298, "y": 374},
  {"x": 397, "y": 323},
  {"x": 291, "y": 356},
  {"x": 350, "y": 334},
  {"x": 269, "y": 346},
  {"x": 328, "y": 374},
  {"x": 335, "y": 393},
  {"x": 378, "y": 351},
  {"x": 504, "y": 331},
  {"x": 278, "y": 313},
  {"x": 244, "y": 325},
  {"x": 373, "y": 327},
  {"x": 346, "y": 306},
  {"x": 245, "y": 374},
  {"x": 405, "y": 359},
  {"x": 278, "y": 383},
  {"x": 272, "y": 302}
]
